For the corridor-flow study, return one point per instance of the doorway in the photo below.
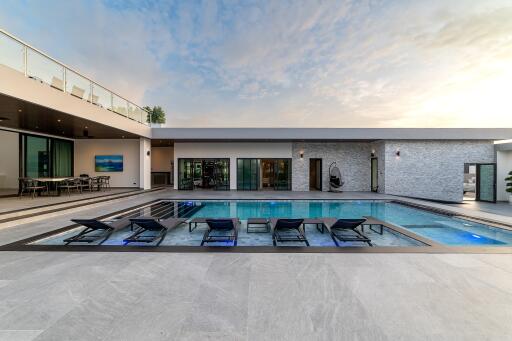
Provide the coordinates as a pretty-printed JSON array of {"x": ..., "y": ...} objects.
[
  {"x": 486, "y": 182},
  {"x": 479, "y": 182},
  {"x": 375, "y": 174},
  {"x": 315, "y": 174}
]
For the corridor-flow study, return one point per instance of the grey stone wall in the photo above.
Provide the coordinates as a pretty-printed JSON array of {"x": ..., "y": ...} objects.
[
  {"x": 432, "y": 169},
  {"x": 352, "y": 158}
]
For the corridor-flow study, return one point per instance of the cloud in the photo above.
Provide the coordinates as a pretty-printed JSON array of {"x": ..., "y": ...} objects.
[{"x": 282, "y": 63}]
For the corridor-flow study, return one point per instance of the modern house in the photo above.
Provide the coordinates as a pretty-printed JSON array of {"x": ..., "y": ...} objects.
[{"x": 54, "y": 122}]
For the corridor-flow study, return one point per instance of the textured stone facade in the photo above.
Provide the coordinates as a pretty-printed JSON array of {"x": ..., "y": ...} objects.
[
  {"x": 432, "y": 169},
  {"x": 424, "y": 169},
  {"x": 352, "y": 158}
]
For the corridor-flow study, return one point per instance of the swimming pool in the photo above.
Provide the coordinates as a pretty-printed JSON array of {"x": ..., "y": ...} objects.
[{"x": 441, "y": 229}]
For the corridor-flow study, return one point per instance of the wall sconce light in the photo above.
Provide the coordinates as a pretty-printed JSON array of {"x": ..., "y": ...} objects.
[
  {"x": 148, "y": 153},
  {"x": 373, "y": 153},
  {"x": 397, "y": 153},
  {"x": 302, "y": 155}
]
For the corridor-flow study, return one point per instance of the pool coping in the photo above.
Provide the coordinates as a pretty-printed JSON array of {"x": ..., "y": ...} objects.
[{"x": 431, "y": 247}]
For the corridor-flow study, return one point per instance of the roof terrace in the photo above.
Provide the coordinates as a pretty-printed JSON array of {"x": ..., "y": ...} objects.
[{"x": 36, "y": 65}]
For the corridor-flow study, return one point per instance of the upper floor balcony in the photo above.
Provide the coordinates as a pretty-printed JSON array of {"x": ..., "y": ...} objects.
[{"x": 36, "y": 65}]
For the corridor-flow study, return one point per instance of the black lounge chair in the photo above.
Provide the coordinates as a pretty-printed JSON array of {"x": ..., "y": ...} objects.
[
  {"x": 345, "y": 230},
  {"x": 96, "y": 230},
  {"x": 151, "y": 229},
  {"x": 221, "y": 230},
  {"x": 288, "y": 230}
]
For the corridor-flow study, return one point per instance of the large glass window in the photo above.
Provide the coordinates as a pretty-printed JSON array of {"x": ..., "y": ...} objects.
[
  {"x": 46, "y": 157},
  {"x": 37, "y": 163},
  {"x": 203, "y": 174},
  {"x": 247, "y": 174},
  {"x": 185, "y": 170},
  {"x": 283, "y": 175},
  {"x": 62, "y": 158}
]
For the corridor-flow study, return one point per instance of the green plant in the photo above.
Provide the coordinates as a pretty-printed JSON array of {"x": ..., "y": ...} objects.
[
  {"x": 508, "y": 179},
  {"x": 155, "y": 114}
]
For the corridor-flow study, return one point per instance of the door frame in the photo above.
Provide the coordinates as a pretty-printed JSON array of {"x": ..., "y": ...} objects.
[
  {"x": 316, "y": 159},
  {"x": 371, "y": 175},
  {"x": 477, "y": 190}
]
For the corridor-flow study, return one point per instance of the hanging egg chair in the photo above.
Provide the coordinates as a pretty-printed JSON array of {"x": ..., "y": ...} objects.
[{"x": 335, "y": 182}]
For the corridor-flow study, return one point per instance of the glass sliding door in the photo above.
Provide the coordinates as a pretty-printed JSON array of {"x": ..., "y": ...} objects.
[
  {"x": 247, "y": 174},
  {"x": 37, "y": 162},
  {"x": 283, "y": 174},
  {"x": 185, "y": 174},
  {"x": 46, "y": 157},
  {"x": 62, "y": 158},
  {"x": 486, "y": 182},
  {"x": 221, "y": 174},
  {"x": 203, "y": 174}
]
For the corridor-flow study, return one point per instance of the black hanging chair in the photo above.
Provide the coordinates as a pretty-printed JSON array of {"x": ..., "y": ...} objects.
[{"x": 335, "y": 182}]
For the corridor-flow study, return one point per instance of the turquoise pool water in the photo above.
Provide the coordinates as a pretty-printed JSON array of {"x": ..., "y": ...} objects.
[{"x": 442, "y": 229}]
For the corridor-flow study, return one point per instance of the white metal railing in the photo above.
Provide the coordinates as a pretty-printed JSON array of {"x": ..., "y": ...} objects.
[{"x": 37, "y": 65}]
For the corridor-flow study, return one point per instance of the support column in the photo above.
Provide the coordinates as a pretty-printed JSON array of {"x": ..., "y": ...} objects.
[{"x": 145, "y": 163}]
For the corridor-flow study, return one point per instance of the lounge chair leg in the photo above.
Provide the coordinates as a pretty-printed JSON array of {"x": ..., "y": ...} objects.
[
  {"x": 164, "y": 233},
  {"x": 335, "y": 241},
  {"x": 205, "y": 236}
]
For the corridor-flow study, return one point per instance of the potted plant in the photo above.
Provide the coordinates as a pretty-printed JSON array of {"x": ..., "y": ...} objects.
[{"x": 508, "y": 179}]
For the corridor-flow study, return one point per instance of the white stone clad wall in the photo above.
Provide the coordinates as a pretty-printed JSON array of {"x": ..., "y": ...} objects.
[
  {"x": 432, "y": 169},
  {"x": 352, "y": 158}
]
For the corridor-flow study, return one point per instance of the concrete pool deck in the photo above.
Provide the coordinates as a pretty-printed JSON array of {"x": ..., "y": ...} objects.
[{"x": 197, "y": 296}]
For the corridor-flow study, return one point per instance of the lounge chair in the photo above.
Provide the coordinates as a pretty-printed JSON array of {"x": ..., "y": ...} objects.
[
  {"x": 258, "y": 225},
  {"x": 96, "y": 230},
  {"x": 288, "y": 230},
  {"x": 151, "y": 229},
  {"x": 192, "y": 223},
  {"x": 345, "y": 230},
  {"x": 221, "y": 230}
]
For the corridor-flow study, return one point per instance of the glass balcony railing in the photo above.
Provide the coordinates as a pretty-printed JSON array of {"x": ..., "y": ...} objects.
[{"x": 34, "y": 64}]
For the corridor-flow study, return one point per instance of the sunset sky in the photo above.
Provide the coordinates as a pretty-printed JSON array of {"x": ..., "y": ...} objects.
[{"x": 288, "y": 63}]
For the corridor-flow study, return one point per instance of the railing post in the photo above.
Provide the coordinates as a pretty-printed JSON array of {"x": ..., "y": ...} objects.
[
  {"x": 64, "y": 78},
  {"x": 25, "y": 67}
]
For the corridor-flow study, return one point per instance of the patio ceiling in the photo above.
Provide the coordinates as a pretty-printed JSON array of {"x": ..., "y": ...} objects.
[{"x": 23, "y": 115}]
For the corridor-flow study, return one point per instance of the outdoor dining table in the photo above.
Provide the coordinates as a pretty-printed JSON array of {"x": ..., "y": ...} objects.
[{"x": 53, "y": 182}]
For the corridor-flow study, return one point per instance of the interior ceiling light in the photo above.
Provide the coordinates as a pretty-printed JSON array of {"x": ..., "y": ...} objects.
[
  {"x": 19, "y": 110},
  {"x": 58, "y": 120},
  {"x": 3, "y": 119}
]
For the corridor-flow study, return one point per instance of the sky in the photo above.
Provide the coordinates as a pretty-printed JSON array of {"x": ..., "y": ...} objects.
[{"x": 431, "y": 63}]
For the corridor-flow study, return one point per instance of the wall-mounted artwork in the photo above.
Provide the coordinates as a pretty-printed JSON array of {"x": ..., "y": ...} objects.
[{"x": 108, "y": 163}]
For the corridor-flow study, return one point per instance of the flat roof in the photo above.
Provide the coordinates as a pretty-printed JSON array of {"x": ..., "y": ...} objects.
[{"x": 329, "y": 134}]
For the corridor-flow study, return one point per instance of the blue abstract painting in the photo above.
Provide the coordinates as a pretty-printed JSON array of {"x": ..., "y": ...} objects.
[{"x": 108, "y": 163}]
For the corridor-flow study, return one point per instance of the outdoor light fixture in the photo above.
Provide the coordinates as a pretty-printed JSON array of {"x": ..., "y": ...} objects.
[
  {"x": 397, "y": 153},
  {"x": 373, "y": 153},
  {"x": 148, "y": 153},
  {"x": 302, "y": 155}
]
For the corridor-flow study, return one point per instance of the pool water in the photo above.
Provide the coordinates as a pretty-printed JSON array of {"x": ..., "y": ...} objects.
[{"x": 439, "y": 228}]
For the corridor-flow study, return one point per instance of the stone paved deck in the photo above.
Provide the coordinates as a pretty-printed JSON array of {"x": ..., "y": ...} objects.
[{"x": 172, "y": 296}]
